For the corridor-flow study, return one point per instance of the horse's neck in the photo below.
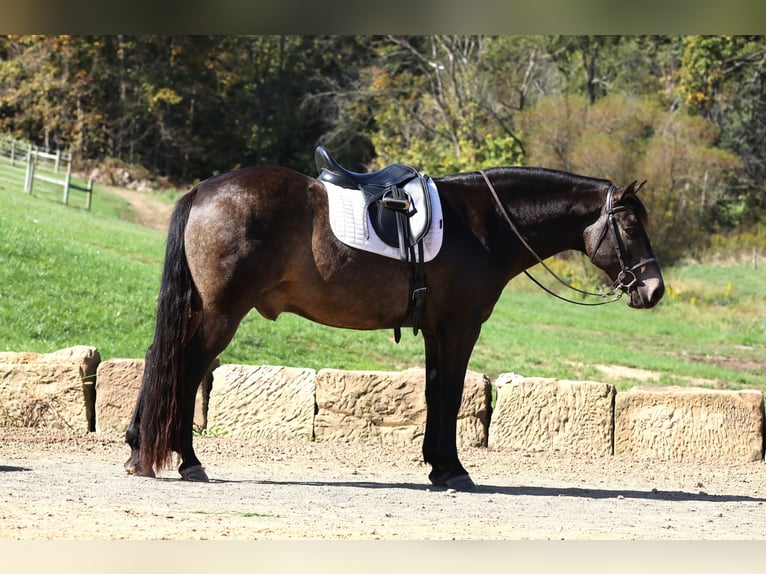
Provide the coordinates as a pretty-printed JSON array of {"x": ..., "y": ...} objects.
[
  {"x": 555, "y": 230},
  {"x": 554, "y": 220},
  {"x": 551, "y": 218},
  {"x": 550, "y": 222}
]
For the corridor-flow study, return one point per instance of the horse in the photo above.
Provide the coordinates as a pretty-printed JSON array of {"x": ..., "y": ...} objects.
[{"x": 260, "y": 238}]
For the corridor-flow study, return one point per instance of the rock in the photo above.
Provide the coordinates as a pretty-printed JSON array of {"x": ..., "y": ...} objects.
[
  {"x": 540, "y": 414},
  {"x": 50, "y": 390},
  {"x": 389, "y": 407},
  {"x": 682, "y": 423},
  {"x": 263, "y": 402},
  {"x": 117, "y": 384}
]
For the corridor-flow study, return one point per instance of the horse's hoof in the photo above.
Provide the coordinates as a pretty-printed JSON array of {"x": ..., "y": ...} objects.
[
  {"x": 131, "y": 467},
  {"x": 194, "y": 473},
  {"x": 462, "y": 483}
]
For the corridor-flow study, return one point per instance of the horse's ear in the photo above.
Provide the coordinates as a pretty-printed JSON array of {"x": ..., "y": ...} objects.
[{"x": 632, "y": 187}]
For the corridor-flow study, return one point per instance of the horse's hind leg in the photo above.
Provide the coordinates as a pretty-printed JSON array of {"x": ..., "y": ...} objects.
[
  {"x": 132, "y": 436},
  {"x": 199, "y": 356},
  {"x": 197, "y": 368},
  {"x": 214, "y": 334},
  {"x": 191, "y": 469},
  {"x": 133, "y": 464}
]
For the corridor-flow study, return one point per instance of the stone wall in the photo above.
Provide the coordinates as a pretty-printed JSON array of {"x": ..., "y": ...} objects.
[
  {"x": 117, "y": 385},
  {"x": 574, "y": 417},
  {"x": 263, "y": 402},
  {"x": 658, "y": 423},
  {"x": 389, "y": 407},
  {"x": 73, "y": 389},
  {"x": 677, "y": 423},
  {"x": 53, "y": 390}
]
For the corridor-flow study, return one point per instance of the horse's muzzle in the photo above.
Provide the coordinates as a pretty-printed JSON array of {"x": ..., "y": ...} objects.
[{"x": 646, "y": 294}]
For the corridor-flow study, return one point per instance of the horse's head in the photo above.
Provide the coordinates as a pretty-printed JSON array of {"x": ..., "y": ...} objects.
[{"x": 618, "y": 244}]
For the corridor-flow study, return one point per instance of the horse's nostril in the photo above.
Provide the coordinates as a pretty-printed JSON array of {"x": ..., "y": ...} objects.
[
  {"x": 648, "y": 294},
  {"x": 653, "y": 295}
]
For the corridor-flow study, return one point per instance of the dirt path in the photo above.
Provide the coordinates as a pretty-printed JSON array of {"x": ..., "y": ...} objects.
[
  {"x": 149, "y": 211},
  {"x": 63, "y": 485}
]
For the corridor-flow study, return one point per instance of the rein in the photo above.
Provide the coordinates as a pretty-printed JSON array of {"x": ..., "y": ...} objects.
[{"x": 626, "y": 273}]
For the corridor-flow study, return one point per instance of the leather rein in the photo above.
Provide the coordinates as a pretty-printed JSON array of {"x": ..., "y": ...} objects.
[{"x": 626, "y": 277}]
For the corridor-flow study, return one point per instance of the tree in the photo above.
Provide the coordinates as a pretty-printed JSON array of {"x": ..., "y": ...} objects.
[
  {"x": 624, "y": 139},
  {"x": 688, "y": 175},
  {"x": 44, "y": 89},
  {"x": 596, "y": 66},
  {"x": 432, "y": 104},
  {"x": 182, "y": 106},
  {"x": 723, "y": 79}
]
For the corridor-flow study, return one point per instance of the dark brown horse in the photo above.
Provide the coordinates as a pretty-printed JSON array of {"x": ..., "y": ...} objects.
[{"x": 259, "y": 238}]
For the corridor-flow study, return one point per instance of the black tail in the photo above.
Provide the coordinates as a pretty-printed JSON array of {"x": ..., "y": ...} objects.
[{"x": 163, "y": 369}]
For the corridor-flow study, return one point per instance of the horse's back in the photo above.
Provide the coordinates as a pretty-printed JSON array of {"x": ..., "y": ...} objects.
[
  {"x": 271, "y": 186},
  {"x": 271, "y": 206}
]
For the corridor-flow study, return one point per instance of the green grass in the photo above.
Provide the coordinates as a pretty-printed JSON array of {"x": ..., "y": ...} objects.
[
  {"x": 678, "y": 339},
  {"x": 74, "y": 277}
]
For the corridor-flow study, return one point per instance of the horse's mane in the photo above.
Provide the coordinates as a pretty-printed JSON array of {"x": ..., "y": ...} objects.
[
  {"x": 531, "y": 176},
  {"x": 551, "y": 175}
]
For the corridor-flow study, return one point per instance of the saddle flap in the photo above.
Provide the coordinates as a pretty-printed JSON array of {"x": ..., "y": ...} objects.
[{"x": 402, "y": 227}]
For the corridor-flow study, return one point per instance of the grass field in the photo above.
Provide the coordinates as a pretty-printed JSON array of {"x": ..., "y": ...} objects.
[{"x": 74, "y": 277}]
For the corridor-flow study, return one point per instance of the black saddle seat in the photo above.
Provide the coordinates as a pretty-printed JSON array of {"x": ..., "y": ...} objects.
[{"x": 330, "y": 170}]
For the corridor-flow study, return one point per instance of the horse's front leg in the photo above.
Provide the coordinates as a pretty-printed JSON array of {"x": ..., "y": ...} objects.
[{"x": 447, "y": 356}]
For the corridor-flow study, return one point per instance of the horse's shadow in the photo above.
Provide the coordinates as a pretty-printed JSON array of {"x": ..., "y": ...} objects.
[
  {"x": 545, "y": 491},
  {"x": 598, "y": 493},
  {"x": 5, "y": 468}
]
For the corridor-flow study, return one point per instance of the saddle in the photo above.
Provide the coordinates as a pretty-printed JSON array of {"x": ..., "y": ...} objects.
[{"x": 390, "y": 198}]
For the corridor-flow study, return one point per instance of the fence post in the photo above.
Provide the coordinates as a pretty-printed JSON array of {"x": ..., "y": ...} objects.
[
  {"x": 67, "y": 181},
  {"x": 13, "y": 153},
  {"x": 90, "y": 194},
  {"x": 30, "y": 171}
]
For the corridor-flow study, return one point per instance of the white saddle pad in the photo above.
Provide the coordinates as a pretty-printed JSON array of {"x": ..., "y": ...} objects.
[{"x": 347, "y": 215}]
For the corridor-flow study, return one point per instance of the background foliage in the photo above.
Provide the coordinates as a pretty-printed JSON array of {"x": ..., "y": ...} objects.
[{"x": 687, "y": 113}]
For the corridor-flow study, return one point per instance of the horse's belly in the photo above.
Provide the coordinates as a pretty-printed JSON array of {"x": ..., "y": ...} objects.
[{"x": 359, "y": 304}]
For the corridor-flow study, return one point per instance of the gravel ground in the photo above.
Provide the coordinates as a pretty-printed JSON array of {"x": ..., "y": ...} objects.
[{"x": 65, "y": 485}]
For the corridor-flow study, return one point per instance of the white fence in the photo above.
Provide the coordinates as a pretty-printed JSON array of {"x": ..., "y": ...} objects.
[{"x": 40, "y": 165}]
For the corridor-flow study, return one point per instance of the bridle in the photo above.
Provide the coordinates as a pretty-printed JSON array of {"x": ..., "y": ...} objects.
[{"x": 626, "y": 278}]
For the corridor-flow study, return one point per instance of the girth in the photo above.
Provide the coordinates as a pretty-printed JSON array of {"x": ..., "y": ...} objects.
[{"x": 390, "y": 208}]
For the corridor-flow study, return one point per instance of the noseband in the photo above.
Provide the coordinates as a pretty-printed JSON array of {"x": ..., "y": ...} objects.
[{"x": 626, "y": 278}]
